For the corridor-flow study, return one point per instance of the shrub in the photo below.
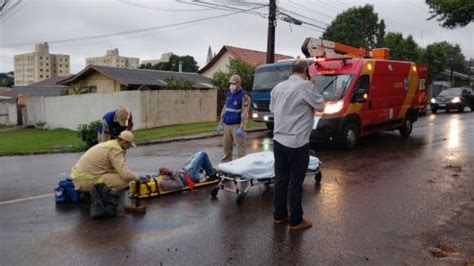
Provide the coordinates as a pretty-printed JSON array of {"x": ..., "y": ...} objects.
[{"x": 88, "y": 133}]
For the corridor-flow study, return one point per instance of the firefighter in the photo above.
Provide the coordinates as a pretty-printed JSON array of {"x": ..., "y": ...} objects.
[
  {"x": 234, "y": 118},
  {"x": 105, "y": 164}
]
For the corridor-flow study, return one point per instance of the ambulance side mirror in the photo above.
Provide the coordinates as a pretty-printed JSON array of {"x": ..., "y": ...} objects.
[{"x": 361, "y": 95}]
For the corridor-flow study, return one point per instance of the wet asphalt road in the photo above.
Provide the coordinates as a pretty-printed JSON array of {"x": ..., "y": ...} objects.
[{"x": 387, "y": 203}]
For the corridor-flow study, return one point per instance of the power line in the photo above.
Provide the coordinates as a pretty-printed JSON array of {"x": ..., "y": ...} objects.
[
  {"x": 313, "y": 10},
  {"x": 134, "y": 31},
  {"x": 297, "y": 14},
  {"x": 15, "y": 11},
  {"x": 164, "y": 9}
]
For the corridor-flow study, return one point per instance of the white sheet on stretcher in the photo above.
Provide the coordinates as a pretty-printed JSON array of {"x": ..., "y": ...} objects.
[{"x": 258, "y": 165}]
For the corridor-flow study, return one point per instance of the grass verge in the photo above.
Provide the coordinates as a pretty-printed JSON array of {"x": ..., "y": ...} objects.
[{"x": 26, "y": 141}]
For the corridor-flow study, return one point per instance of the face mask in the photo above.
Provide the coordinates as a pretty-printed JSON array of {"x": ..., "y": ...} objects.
[{"x": 232, "y": 87}]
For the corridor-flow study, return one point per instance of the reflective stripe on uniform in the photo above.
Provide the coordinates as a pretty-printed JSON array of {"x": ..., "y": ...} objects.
[{"x": 233, "y": 110}]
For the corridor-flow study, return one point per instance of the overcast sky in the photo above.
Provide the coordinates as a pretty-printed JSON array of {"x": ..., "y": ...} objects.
[{"x": 72, "y": 25}]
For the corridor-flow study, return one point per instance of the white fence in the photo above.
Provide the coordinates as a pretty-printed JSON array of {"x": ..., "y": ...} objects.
[
  {"x": 8, "y": 113},
  {"x": 149, "y": 108}
]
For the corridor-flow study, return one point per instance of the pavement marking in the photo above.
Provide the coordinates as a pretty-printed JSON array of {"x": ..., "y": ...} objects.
[{"x": 26, "y": 199}]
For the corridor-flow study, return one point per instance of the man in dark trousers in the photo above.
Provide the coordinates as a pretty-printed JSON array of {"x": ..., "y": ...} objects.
[{"x": 293, "y": 104}]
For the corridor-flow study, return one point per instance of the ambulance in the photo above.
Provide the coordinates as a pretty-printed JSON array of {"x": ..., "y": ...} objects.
[{"x": 365, "y": 92}]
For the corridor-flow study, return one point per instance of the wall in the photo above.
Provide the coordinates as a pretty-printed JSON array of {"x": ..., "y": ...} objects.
[
  {"x": 221, "y": 64},
  {"x": 8, "y": 113},
  {"x": 101, "y": 82},
  {"x": 149, "y": 108}
]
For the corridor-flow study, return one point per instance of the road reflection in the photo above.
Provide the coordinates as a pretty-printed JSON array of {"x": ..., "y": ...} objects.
[
  {"x": 264, "y": 144},
  {"x": 454, "y": 132}
]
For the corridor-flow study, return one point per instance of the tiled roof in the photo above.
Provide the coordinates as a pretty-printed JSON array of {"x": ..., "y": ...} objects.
[
  {"x": 51, "y": 81},
  {"x": 252, "y": 57},
  {"x": 139, "y": 77}
]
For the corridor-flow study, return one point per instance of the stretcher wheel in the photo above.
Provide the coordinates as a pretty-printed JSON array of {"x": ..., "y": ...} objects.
[
  {"x": 318, "y": 177},
  {"x": 240, "y": 199},
  {"x": 214, "y": 192}
]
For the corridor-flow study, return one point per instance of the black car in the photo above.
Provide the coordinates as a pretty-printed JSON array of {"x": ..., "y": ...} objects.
[{"x": 453, "y": 98}]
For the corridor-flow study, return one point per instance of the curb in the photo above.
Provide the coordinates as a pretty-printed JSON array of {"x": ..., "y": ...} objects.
[
  {"x": 145, "y": 143},
  {"x": 191, "y": 137}
]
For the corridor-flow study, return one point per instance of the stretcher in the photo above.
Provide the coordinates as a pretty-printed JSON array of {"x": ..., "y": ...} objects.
[
  {"x": 252, "y": 170},
  {"x": 152, "y": 188}
]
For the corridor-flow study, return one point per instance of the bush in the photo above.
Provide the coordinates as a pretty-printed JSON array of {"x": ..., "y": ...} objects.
[{"x": 88, "y": 133}]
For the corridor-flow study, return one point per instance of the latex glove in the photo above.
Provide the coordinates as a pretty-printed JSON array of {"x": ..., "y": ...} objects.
[
  {"x": 219, "y": 129},
  {"x": 144, "y": 177},
  {"x": 239, "y": 132}
]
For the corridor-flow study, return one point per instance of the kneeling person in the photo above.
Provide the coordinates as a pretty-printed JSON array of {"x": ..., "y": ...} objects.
[{"x": 105, "y": 164}]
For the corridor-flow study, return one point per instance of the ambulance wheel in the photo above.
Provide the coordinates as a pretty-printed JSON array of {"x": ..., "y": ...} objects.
[
  {"x": 350, "y": 136},
  {"x": 434, "y": 110},
  {"x": 406, "y": 128},
  {"x": 214, "y": 192},
  {"x": 318, "y": 177},
  {"x": 240, "y": 199}
]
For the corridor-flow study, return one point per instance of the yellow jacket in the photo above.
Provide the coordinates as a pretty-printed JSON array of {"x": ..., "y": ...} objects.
[{"x": 103, "y": 158}]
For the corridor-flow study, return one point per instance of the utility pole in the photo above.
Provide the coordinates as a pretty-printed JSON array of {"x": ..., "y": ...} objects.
[{"x": 271, "y": 32}]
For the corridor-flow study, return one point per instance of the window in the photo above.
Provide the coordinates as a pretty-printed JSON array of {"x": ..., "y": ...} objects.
[
  {"x": 65, "y": 65},
  {"x": 93, "y": 89},
  {"x": 60, "y": 59},
  {"x": 60, "y": 65},
  {"x": 41, "y": 70},
  {"x": 41, "y": 76},
  {"x": 60, "y": 71},
  {"x": 41, "y": 57}
]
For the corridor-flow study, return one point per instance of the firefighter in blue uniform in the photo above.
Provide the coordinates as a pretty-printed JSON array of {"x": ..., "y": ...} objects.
[{"x": 234, "y": 118}]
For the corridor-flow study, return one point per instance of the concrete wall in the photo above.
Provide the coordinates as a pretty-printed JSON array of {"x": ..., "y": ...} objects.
[
  {"x": 149, "y": 108},
  {"x": 8, "y": 113}
]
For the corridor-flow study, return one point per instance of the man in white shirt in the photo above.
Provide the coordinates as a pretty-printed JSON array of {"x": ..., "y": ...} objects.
[{"x": 293, "y": 103}]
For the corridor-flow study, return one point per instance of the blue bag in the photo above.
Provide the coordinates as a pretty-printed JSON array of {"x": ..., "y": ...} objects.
[{"x": 65, "y": 192}]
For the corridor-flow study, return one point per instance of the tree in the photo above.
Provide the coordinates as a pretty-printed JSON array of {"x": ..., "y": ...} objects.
[
  {"x": 6, "y": 79},
  {"x": 246, "y": 71},
  {"x": 189, "y": 64},
  {"x": 401, "y": 48},
  {"x": 358, "y": 27},
  {"x": 452, "y": 13},
  {"x": 178, "y": 83},
  {"x": 443, "y": 55}
]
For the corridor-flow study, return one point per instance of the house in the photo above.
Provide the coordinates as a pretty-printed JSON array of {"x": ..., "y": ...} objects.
[
  {"x": 221, "y": 60},
  {"x": 105, "y": 79}
]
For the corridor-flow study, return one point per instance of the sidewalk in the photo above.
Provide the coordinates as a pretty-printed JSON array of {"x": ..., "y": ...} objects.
[{"x": 191, "y": 137}]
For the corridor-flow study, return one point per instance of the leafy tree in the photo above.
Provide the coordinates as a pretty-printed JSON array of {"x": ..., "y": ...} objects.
[
  {"x": 246, "y": 71},
  {"x": 178, "y": 83},
  {"x": 189, "y": 64},
  {"x": 6, "y": 79},
  {"x": 401, "y": 48},
  {"x": 83, "y": 88},
  {"x": 443, "y": 55},
  {"x": 452, "y": 13},
  {"x": 358, "y": 27}
]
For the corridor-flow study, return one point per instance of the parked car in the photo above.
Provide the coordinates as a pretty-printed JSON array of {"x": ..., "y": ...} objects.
[{"x": 453, "y": 98}]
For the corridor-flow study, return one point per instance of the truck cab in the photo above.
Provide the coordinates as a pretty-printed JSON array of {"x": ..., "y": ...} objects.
[{"x": 266, "y": 77}]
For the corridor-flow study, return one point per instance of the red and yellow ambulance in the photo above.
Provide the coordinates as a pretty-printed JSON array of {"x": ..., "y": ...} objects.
[{"x": 364, "y": 92}]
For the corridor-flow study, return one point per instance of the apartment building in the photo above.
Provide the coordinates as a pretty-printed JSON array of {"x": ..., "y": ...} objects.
[
  {"x": 113, "y": 59},
  {"x": 165, "y": 58},
  {"x": 39, "y": 65}
]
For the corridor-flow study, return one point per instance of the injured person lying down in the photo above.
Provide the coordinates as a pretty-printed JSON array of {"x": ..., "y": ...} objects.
[{"x": 197, "y": 169}]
